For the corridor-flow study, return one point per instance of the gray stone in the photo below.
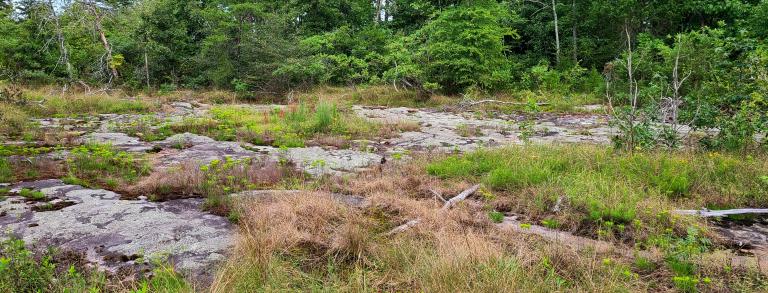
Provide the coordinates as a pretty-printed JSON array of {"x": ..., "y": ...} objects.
[
  {"x": 114, "y": 232},
  {"x": 318, "y": 161},
  {"x": 185, "y": 140},
  {"x": 590, "y": 108},
  {"x": 440, "y": 130},
  {"x": 119, "y": 140},
  {"x": 204, "y": 153},
  {"x": 182, "y": 105}
]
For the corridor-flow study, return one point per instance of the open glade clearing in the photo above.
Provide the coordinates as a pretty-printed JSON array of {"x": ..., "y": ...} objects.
[{"x": 329, "y": 194}]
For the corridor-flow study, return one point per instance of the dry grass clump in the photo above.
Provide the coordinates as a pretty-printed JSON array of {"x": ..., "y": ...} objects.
[
  {"x": 310, "y": 228},
  {"x": 28, "y": 169},
  {"x": 375, "y": 95},
  {"x": 13, "y": 121},
  {"x": 190, "y": 179},
  {"x": 202, "y": 96},
  {"x": 392, "y": 129},
  {"x": 48, "y": 102},
  {"x": 214, "y": 181},
  {"x": 312, "y": 242}
]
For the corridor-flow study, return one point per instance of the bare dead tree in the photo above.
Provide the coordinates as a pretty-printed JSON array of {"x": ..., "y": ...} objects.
[
  {"x": 61, "y": 41},
  {"x": 94, "y": 8},
  {"x": 670, "y": 105},
  {"x": 633, "y": 93}
]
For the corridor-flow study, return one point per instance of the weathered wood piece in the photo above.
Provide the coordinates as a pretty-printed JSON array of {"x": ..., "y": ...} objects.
[
  {"x": 448, "y": 204},
  {"x": 721, "y": 213}
]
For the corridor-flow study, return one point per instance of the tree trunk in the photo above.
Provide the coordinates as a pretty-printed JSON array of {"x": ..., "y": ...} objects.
[
  {"x": 387, "y": 5},
  {"x": 61, "y": 42},
  {"x": 573, "y": 33},
  {"x": 103, "y": 38},
  {"x": 557, "y": 32},
  {"x": 377, "y": 17},
  {"x": 146, "y": 66}
]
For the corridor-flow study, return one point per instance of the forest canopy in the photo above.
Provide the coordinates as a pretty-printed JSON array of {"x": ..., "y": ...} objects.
[{"x": 269, "y": 46}]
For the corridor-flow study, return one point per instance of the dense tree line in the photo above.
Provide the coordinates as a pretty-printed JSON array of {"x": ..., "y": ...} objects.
[
  {"x": 691, "y": 62},
  {"x": 272, "y": 46}
]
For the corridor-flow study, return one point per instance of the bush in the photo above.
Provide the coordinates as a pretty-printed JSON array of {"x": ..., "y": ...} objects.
[
  {"x": 325, "y": 114},
  {"x": 20, "y": 272},
  {"x": 103, "y": 166},
  {"x": 462, "y": 47}
]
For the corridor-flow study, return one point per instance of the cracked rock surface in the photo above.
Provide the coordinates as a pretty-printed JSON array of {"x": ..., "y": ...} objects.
[
  {"x": 450, "y": 131},
  {"x": 115, "y": 234}
]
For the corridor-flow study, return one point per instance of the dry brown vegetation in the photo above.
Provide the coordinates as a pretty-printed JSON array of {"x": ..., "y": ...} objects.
[
  {"x": 191, "y": 179},
  {"x": 28, "y": 169},
  {"x": 311, "y": 241}
]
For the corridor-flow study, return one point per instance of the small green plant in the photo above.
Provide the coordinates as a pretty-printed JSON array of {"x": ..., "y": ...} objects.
[
  {"x": 31, "y": 194},
  {"x": 468, "y": 130},
  {"x": 6, "y": 170},
  {"x": 764, "y": 180},
  {"x": 527, "y": 126},
  {"x": 680, "y": 254},
  {"x": 103, "y": 166},
  {"x": 4, "y": 191},
  {"x": 164, "y": 279},
  {"x": 496, "y": 216},
  {"x": 21, "y": 270},
  {"x": 644, "y": 264},
  {"x": 325, "y": 114},
  {"x": 550, "y": 223}
]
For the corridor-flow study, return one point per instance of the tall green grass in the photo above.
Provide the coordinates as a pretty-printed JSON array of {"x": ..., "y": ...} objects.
[
  {"x": 611, "y": 186},
  {"x": 289, "y": 127}
]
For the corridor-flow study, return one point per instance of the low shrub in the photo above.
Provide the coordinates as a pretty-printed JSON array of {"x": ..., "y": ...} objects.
[{"x": 98, "y": 165}]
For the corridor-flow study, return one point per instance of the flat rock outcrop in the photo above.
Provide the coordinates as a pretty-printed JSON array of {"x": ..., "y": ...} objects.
[{"x": 119, "y": 234}]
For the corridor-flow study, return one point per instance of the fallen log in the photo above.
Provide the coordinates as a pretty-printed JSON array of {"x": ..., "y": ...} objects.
[
  {"x": 568, "y": 239},
  {"x": 448, "y": 204},
  {"x": 758, "y": 261},
  {"x": 404, "y": 227},
  {"x": 720, "y": 213},
  {"x": 462, "y": 196}
]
